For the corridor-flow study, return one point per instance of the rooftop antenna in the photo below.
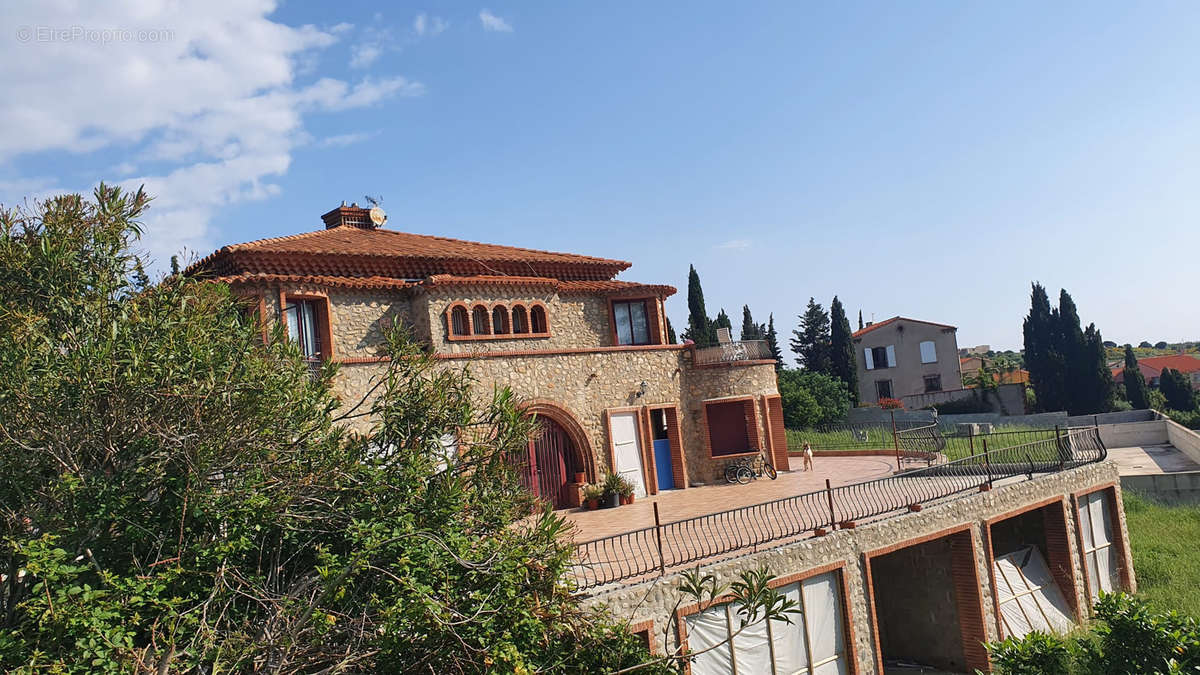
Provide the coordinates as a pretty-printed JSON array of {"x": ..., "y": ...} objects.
[{"x": 377, "y": 214}]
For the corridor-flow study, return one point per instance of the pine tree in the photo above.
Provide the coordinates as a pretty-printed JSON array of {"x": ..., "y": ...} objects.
[
  {"x": 699, "y": 328},
  {"x": 773, "y": 342},
  {"x": 750, "y": 330},
  {"x": 1135, "y": 383},
  {"x": 841, "y": 349},
  {"x": 811, "y": 341},
  {"x": 860, "y": 323}
]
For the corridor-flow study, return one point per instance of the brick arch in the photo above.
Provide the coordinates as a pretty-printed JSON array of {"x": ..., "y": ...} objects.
[{"x": 563, "y": 417}]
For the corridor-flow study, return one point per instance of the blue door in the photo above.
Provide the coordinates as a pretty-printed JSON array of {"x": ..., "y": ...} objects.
[{"x": 662, "y": 461}]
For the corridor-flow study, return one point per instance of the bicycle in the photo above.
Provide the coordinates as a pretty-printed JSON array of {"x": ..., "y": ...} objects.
[{"x": 745, "y": 469}]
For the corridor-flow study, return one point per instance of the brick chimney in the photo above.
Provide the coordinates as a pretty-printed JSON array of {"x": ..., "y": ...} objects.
[{"x": 349, "y": 216}]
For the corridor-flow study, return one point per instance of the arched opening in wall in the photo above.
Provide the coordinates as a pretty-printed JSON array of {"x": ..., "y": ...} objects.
[
  {"x": 499, "y": 320},
  {"x": 479, "y": 320},
  {"x": 458, "y": 321},
  {"x": 537, "y": 320},
  {"x": 520, "y": 320},
  {"x": 558, "y": 453}
]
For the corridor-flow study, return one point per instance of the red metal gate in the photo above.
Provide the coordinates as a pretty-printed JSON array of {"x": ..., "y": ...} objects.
[{"x": 549, "y": 461}]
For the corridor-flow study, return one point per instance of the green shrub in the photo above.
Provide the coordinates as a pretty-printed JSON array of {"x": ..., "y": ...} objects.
[
  {"x": 1035, "y": 653},
  {"x": 1188, "y": 418},
  {"x": 812, "y": 399}
]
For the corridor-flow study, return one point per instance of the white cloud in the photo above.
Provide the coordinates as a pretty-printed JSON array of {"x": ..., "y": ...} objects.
[
  {"x": 734, "y": 244},
  {"x": 494, "y": 23},
  {"x": 211, "y": 110},
  {"x": 424, "y": 25},
  {"x": 342, "y": 140},
  {"x": 363, "y": 55}
]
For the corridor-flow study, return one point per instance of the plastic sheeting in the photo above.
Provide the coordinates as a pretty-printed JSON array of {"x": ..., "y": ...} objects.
[
  {"x": 782, "y": 648},
  {"x": 1029, "y": 597},
  {"x": 1099, "y": 554}
]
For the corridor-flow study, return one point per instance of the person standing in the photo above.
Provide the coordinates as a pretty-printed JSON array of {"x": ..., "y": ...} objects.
[{"x": 808, "y": 455}]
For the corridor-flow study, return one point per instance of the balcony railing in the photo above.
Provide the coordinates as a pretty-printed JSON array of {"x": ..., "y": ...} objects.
[
  {"x": 653, "y": 550},
  {"x": 732, "y": 352}
]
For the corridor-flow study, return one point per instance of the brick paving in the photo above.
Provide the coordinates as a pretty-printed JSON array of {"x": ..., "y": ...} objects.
[{"x": 697, "y": 501}]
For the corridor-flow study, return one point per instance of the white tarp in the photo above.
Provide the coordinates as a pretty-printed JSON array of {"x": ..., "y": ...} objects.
[
  {"x": 1029, "y": 597},
  {"x": 782, "y": 648},
  {"x": 1099, "y": 554}
]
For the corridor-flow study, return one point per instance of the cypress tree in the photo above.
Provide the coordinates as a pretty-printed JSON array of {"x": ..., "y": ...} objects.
[
  {"x": 1099, "y": 391},
  {"x": 1078, "y": 379},
  {"x": 860, "y": 323},
  {"x": 750, "y": 330},
  {"x": 699, "y": 328},
  {"x": 1042, "y": 360},
  {"x": 773, "y": 343},
  {"x": 722, "y": 321},
  {"x": 841, "y": 349},
  {"x": 811, "y": 339},
  {"x": 1177, "y": 390},
  {"x": 1135, "y": 383},
  {"x": 671, "y": 339}
]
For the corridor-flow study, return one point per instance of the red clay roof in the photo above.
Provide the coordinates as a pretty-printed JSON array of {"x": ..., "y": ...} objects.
[
  {"x": 357, "y": 252},
  {"x": 1152, "y": 366},
  {"x": 867, "y": 329},
  {"x": 342, "y": 282}
]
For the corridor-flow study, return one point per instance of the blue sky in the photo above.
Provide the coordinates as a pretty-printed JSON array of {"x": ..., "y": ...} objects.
[{"x": 928, "y": 159}]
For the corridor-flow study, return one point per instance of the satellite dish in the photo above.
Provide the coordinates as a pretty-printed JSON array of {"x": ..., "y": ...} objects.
[{"x": 378, "y": 217}]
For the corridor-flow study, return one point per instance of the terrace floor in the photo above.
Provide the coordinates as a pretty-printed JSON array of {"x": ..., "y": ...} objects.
[
  {"x": 698, "y": 501},
  {"x": 1152, "y": 459}
]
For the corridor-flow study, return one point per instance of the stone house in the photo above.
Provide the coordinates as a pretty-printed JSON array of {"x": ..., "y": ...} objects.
[
  {"x": 900, "y": 357},
  {"x": 583, "y": 351}
]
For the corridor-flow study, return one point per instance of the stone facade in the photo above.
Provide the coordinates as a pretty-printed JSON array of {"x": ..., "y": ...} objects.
[
  {"x": 852, "y": 550},
  {"x": 576, "y": 368}
]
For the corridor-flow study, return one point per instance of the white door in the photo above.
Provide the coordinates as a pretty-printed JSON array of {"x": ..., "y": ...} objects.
[{"x": 627, "y": 451}]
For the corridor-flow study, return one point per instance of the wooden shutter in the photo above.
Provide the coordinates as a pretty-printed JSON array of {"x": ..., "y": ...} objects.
[
  {"x": 870, "y": 360},
  {"x": 891, "y": 356}
]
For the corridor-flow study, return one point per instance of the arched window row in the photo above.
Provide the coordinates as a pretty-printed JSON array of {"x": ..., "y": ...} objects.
[{"x": 499, "y": 321}]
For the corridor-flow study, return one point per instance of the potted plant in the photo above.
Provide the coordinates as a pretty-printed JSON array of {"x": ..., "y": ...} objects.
[
  {"x": 625, "y": 490},
  {"x": 612, "y": 491},
  {"x": 592, "y": 495}
]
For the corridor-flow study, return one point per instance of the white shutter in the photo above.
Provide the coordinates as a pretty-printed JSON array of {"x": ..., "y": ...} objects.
[
  {"x": 891, "y": 353},
  {"x": 928, "y": 352},
  {"x": 870, "y": 361}
]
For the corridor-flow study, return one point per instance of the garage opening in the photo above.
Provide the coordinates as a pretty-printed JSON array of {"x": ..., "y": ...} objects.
[
  {"x": 1031, "y": 572},
  {"x": 927, "y": 605}
]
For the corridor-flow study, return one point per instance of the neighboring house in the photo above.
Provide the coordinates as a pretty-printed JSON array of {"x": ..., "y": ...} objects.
[
  {"x": 1152, "y": 367},
  {"x": 901, "y": 356},
  {"x": 971, "y": 365},
  {"x": 977, "y": 350},
  {"x": 583, "y": 351}
]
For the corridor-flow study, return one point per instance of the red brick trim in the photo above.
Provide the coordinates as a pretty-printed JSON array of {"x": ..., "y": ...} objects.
[
  {"x": 970, "y": 613},
  {"x": 645, "y": 630},
  {"x": 753, "y": 436},
  {"x": 1118, "y": 526},
  {"x": 735, "y": 364},
  {"x": 639, "y": 427},
  {"x": 851, "y": 648},
  {"x": 675, "y": 438},
  {"x": 474, "y": 335},
  {"x": 325, "y": 317},
  {"x": 555, "y": 352},
  {"x": 565, "y": 419},
  {"x": 654, "y": 333}
]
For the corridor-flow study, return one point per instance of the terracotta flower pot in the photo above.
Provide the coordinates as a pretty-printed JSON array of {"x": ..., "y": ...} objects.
[
  {"x": 592, "y": 504},
  {"x": 630, "y": 498},
  {"x": 624, "y": 500}
]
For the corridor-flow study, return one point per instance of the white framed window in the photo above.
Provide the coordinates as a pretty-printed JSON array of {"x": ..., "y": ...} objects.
[
  {"x": 301, "y": 318},
  {"x": 813, "y": 642},
  {"x": 928, "y": 352},
  {"x": 1099, "y": 554}
]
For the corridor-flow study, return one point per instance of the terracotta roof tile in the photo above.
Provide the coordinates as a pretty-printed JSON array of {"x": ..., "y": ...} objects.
[
  {"x": 607, "y": 287},
  {"x": 867, "y": 329},
  {"x": 353, "y": 251},
  {"x": 341, "y": 282}
]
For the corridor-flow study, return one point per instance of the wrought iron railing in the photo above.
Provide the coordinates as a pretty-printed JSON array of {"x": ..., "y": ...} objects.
[
  {"x": 732, "y": 352},
  {"x": 653, "y": 550}
]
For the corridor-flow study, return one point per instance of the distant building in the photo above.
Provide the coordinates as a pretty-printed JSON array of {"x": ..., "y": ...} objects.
[
  {"x": 1152, "y": 367},
  {"x": 971, "y": 365},
  {"x": 902, "y": 356},
  {"x": 977, "y": 350}
]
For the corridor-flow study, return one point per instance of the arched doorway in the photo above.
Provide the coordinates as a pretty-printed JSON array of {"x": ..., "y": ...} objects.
[
  {"x": 557, "y": 451},
  {"x": 551, "y": 463}
]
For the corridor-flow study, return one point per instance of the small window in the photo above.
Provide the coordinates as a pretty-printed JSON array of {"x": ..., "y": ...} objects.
[
  {"x": 883, "y": 389},
  {"x": 928, "y": 352},
  {"x": 728, "y": 428},
  {"x": 479, "y": 320},
  {"x": 631, "y": 324},
  {"x": 933, "y": 383},
  {"x": 537, "y": 318},
  {"x": 458, "y": 321},
  {"x": 301, "y": 317},
  {"x": 879, "y": 355},
  {"x": 500, "y": 320},
  {"x": 520, "y": 320}
]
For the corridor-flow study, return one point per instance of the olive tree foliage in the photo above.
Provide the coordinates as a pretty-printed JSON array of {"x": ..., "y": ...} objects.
[{"x": 179, "y": 495}]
